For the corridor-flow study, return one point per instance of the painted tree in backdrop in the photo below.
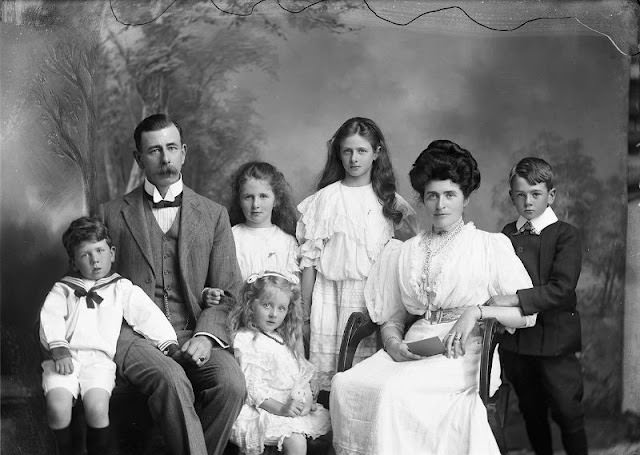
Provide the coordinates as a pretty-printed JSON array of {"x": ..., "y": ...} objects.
[
  {"x": 102, "y": 77},
  {"x": 181, "y": 64},
  {"x": 67, "y": 86}
]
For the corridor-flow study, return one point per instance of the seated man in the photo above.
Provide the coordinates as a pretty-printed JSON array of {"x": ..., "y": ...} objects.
[{"x": 175, "y": 244}]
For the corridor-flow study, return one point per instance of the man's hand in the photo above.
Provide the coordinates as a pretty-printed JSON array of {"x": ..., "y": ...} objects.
[
  {"x": 212, "y": 296},
  {"x": 64, "y": 365},
  {"x": 503, "y": 300},
  {"x": 197, "y": 350}
]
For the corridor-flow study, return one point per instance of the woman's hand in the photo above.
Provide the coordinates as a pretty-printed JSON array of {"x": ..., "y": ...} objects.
[
  {"x": 457, "y": 336},
  {"x": 399, "y": 351}
]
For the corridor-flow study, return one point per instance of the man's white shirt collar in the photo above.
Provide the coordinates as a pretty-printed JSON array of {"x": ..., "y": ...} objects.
[
  {"x": 547, "y": 218},
  {"x": 174, "y": 190}
]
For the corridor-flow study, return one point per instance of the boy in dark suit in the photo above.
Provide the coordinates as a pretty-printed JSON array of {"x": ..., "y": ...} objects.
[{"x": 541, "y": 361}]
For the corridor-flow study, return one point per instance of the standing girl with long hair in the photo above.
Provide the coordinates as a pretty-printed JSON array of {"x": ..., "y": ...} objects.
[{"x": 343, "y": 227}]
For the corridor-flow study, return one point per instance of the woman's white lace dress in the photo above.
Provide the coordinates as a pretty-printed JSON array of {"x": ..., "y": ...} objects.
[{"x": 428, "y": 406}]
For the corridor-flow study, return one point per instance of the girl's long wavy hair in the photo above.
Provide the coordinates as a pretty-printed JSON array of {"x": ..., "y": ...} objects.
[
  {"x": 383, "y": 180},
  {"x": 258, "y": 291},
  {"x": 284, "y": 213}
]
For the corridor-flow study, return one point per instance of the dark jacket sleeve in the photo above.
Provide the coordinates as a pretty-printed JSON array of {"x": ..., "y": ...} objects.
[
  {"x": 223, "y": 273},
  {"x": 560, "y": 283}
]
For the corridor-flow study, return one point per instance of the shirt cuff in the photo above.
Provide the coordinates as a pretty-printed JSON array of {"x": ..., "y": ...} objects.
[
  {"x": 214, "y": 338},
  {"x": 169, "y": 347}
]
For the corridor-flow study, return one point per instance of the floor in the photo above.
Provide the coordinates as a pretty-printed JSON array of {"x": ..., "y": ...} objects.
[
  {"x": 24, "y": 429},
  {"x": 606, "y": 435}
]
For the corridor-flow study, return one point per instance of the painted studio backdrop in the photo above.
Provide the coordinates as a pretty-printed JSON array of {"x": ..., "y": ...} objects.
[{"x": 275, "y": 85}]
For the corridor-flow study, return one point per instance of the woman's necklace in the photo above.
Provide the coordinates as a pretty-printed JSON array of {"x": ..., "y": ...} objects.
[
  {"x": 272, "y": 337},
  {"x": 433, "y": 244}
]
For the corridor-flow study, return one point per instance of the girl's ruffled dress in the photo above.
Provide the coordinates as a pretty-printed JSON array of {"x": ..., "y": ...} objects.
[
  {"x": 341, "y": 232},
  {"x": 271, "y": 371},
  {"x": 261, "y": 249}
]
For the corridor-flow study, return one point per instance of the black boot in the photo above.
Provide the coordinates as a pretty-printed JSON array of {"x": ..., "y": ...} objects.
[
  {"x": 575, "y": 443},
  {"x": 64, "y": 441},
  {"x": 98, "y": 441}
]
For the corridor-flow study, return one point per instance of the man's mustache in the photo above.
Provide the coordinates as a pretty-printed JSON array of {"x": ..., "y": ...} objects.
[{"x": 169, "y": 170}]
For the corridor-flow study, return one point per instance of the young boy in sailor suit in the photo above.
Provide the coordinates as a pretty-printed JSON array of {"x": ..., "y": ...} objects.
[{"x": 79, "y": 327}]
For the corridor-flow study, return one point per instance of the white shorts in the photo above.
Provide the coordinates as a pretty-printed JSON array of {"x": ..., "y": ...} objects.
[{"x": 91, "y": 370}]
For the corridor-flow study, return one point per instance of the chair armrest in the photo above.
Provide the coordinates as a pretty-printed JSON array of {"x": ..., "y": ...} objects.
[
  {"x": 489, "y": 341},
  {"x": 358, "y": 327}
]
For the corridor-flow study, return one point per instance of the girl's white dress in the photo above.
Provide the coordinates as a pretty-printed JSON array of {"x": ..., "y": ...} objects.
[
  {"x": 271, "y": 371},
  {"x": 341, "y": 232},
  {"x": 260, "y": 249},
  {"x": 429, "y": 406}
]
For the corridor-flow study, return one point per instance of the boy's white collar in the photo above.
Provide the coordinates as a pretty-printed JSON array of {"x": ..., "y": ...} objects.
[
  {"x": 547, "y": 218},
  {"x": 174, "y": 190}
]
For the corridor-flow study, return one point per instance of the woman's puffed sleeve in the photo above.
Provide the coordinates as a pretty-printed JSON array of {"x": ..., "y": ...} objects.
[
  {"x": 508, "y": 274},
  {"x": 382, "y": 290},
  {"x": 254, "y": 367}
]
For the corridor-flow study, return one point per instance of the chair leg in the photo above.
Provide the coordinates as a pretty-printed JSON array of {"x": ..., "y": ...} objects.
[
  {"x": 497, "y": 415},
  {"x": 494, "y": 423}
]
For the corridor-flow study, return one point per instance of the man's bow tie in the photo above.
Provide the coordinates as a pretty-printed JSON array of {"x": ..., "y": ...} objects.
[
  {"x": 164, "y": 204},
  {"x": 93, "y": 298}
]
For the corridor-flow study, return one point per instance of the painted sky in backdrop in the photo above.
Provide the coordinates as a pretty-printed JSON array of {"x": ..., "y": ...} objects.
[{"x": 490, "y": 94}]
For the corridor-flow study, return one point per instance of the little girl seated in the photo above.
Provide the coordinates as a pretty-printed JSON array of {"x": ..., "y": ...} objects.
[{"x": 267, "y": 328}]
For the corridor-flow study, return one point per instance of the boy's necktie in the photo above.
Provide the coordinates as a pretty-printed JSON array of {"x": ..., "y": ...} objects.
[
  {"x": 92, "y": 297},
  {"x": 527, "y": 228}
]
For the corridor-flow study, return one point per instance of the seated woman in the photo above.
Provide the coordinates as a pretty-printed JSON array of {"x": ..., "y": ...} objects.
[{"x": 397, "y": 401}]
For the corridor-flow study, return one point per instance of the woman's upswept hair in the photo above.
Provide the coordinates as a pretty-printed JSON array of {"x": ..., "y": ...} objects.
[
  {"x": 445, "y": 160},
  {"x": 258, "y": 289},
  {"x": 383, "y": 180},
  {"x": 284, "y": 214}
]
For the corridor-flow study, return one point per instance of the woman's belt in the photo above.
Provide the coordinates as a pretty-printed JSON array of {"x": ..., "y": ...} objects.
[{"x": 442, "y": 315}]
